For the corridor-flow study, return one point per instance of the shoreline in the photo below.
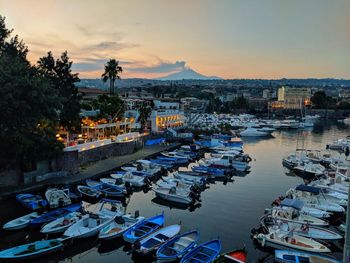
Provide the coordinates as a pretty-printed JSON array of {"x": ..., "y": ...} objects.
[{"x": 93, "y": 170}]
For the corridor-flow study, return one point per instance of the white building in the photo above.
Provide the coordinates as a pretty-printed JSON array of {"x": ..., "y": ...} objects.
[{"x": 166, "y": 115}]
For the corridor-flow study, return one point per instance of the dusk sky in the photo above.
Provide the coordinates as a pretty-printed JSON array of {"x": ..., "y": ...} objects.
[{"x": 225, "y": 38}]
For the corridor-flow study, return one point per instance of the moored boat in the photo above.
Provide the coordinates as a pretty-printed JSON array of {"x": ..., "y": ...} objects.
[
  {"x": 32, "y": 202},
  {"x": 235, "y": 256},
  {"x": 20, "y": 222},
  {"x": 293, "y": 256},
  {"x": 205, "y": 252},
  {"x": 61, "y": 224},
  {"x": 57, "y": 198},
  {"x": 89, "y": 191}
]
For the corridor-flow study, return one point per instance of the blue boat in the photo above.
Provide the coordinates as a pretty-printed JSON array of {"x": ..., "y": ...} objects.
[
  {"x": 292, "y": 256},
  {"x": 204, "y": 253},
  {"x": 31, "y": 250},
  {"x": 32, "y": 202},
  {"x": 143, "y": 228},
  {"x": 218, "y": 172},
  {"x": 178, "y": 246},
  {"x": 53, "y": 215},
  {"x": 107, "y": 190},
  {"x": 173, "y": 159}
]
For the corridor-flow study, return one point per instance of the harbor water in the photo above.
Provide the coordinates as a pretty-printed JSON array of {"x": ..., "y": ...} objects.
[{"x": 228, "y": 210}]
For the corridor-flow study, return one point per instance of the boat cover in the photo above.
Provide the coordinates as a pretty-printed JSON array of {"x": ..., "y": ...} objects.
[
  {"x": 155, "y": 141},
  {"x": 306, "y": 188},
  {"x": 295, "y": 203}
]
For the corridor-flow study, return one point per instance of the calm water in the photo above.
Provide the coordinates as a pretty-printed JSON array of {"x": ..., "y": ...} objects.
[{"x": 227, "y": 211}]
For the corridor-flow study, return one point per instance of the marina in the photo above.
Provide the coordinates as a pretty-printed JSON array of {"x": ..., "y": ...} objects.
[{"x": 227, "y": 210}]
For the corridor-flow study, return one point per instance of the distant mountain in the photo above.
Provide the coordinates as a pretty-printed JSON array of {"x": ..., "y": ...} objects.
[{"x": 187, "y": 73}]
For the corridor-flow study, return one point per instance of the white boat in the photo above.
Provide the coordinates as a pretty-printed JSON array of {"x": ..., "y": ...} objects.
[
  {"x": 309, "y": 231},
  {"x": 284, "y": 256},
  {"x": 174, "y": 155},
  {"x": 88, "y": 226},
  {"x": 229, "y": 161},
  {"x": 173, "y": 195},
  {"x": 336, "y": 185},
  {"x": 118, "y": 226},
  {"x": 290, "y": 214},
  {"x": 300, "y": 206},
  {"x": 61, "y": 224},
  {"x": 152, "y": 242},
  {"x": 340, "y": 144},
  {"x": 190, "y": 178},
  {"x": 253, "y": 132},
  {"x": 106, "y": 208},
  {"x": 20, "y": 222},
  {"x": 180, "y": 185},
  {"x": 280, "y": 239},
  {"x": 309, "y": 170},
  {"x": 133, "y": 180},
  {"x": 57, "y": 198},
  {"x": 89, "y": 191}
]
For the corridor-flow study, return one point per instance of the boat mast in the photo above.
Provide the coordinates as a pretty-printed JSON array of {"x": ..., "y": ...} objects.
[{"x": 346, "y": 256}]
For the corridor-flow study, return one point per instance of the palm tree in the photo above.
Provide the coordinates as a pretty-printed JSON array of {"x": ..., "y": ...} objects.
[
  {"x": 112, "y": 71},
  {"x": 145, "y": 113}
]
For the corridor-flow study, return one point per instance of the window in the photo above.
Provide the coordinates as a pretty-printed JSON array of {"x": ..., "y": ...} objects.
[{"x": 291, "y": 258}]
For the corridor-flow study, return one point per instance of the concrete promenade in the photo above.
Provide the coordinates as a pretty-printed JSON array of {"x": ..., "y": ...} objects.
[{"x": 92, "y": 170}]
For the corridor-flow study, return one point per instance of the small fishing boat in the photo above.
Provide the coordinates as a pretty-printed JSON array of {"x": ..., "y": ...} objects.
[
  {"x": 309, "y": 170},
  {"x": 217, "y": 172},
  {"x": 277, "y": 238},
  {"x": 89, "y": 191},
  {"x": 20, "y": 222},
  {"x": 205, "y": 253},
  {"x": 178, "y": 246},
  {"x": 57, "y": 198},
  {"x": 299, "y": 205},
  {"x": 52, "y": 215},
  {"x": 31, "y": 202},
  {"x": 174, "y": 155},
  {"x": 119, "y": 226},
  {"x": 173, "y": 194},
  {"x": 61, "y": 224},
  {"x": 89, "y": 225},
  {"x": 309, "y": 231},
  {"x": 106, "y": 208},
  {"x": 144, "y": 228},
  {"x": 235, "y": 256},
  {"x": 289, "y": 214},
  {"x": 152, "y": 242},
  {"x": 31, "y": 250},
  {"x": 106, "y": 189},
  {"x": 190, "y": 178},
  {"x": 132, "y": 179},
  {"x": 293, "y": 256},
  {"x": 253, "y": 132}
]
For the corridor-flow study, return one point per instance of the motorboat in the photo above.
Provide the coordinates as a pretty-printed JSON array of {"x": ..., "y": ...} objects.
[
  {"x": 119, "y": 226},
  {"x": 143, "y": 229},
  {"x": 340, "y": 144},
  {"x": 57, "y": 198},
  {"x": 153, "y": 241},
  {"x": 173, "y": 194},
  {"x": 277, "y": 238},
  {"x": 290, "y": 214},
  {"x": 20, "y": 222},
  {"x": 228, "y": 161},
  {"x": 31, "y": 250},
  {"x": 106, "y": 189},
  {"x": 89, "y": 191},
  {"x": 309, "y": 170},
  {"x": 133, "y": 180},
  {"x": 300, "y": 206},
  {"x": 31, "y": 202},
  {"x": 294, "y": 256},
  {"x": 106, "y": 208},
  {"x": 89, "y": 225},
  {"x": 190, "y": 178},
  {"x": 54, "y": 214},
  {"x": 253, "y": 132},
  {"x": 175, "y": 155},
  {"x": 61, "y": 224},
  {"x": 205, "y": 252},
  {"x": 178, "y": 246}
]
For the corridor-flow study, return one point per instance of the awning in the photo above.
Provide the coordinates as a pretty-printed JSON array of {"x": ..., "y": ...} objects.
[{"x": 306, "y": 188}]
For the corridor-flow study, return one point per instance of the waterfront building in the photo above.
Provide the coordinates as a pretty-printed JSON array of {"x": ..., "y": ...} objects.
[
  {"x": 166, "y": 115},
  {"x": 292, "y": 98},
  {"x": 193, "y": 105}
]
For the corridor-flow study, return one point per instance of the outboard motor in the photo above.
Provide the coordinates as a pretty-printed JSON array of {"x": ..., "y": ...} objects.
[
  {"x": 137, "y": 244},
  {"x": 139, "y": 167},
  {"x": 147, "y": 181},
  {"x": 137, "y": 214},
  {"x": 128, "y": 188}
]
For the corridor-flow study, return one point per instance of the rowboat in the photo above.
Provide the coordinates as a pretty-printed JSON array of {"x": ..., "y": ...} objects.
[
  {"x": 52, "y": 215},
  {"x": 205, "y": 252},
  {"x": 118, "y": 226},
  {"x": 152, "y": 242},
  {"x": 89, "y": 191},
  {"x": 88, "y": 226},
  {"x": 235, "y": 256},
  {"x": 31, "y": 202},
  {"x": 20, "y": 222},
  {"x": 173, "y": 194},
  {"x": 106, "y": 189},
  {"x": 61, "y": 224},
  {"x": 292, "y": 256},
  {"x": 31, "y": 250},
  {"x": 277, "y": 239},
  {"x": 178, "y": 246},
  {"x": 143, "y": 229},
  {"x": 57, "y": 198}
]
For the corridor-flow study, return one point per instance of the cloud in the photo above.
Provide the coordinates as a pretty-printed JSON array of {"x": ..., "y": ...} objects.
[
  {"x": 161, "y": 67},
  {"x": 94, "y": 64}
]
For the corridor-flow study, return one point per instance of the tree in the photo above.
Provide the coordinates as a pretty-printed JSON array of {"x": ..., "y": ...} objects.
[
  {"x": 145, "y": 113},
  {"x": 63, "y": 80},
  {"x": 110, "y": 107},
  {"x": 112, "y": 71},
  {"x": 319, "y": 100},
  {"x": 28, "y": 104}
]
